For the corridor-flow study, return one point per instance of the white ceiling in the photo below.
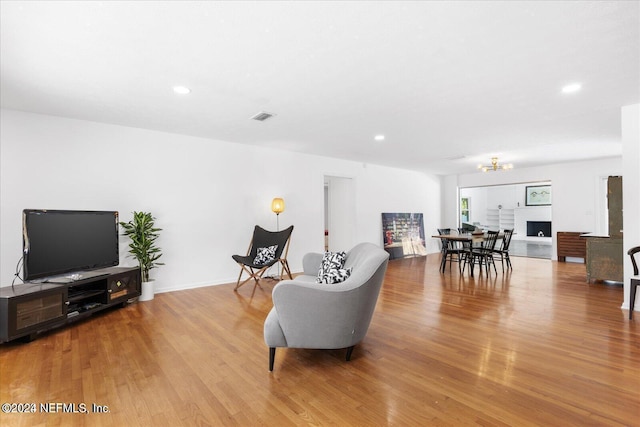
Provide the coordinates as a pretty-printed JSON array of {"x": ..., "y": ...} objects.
[{"x": 449, "y": 84}]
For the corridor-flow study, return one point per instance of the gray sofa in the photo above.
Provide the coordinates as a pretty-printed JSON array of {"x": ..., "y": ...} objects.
[{"x": 307, "y": 314}]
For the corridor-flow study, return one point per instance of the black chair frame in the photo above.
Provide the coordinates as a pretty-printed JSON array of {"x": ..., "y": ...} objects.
[
  {"x": 261, "y": 239},
  {"x": 503, "y": 251},
  {"x": 635, "y": 281},
  {"x": 449, "y": 250},
  {"x": 483, "y": 255}
]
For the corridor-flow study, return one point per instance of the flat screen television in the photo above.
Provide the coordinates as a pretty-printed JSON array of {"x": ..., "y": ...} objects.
[{"x": 56, "y": 242}]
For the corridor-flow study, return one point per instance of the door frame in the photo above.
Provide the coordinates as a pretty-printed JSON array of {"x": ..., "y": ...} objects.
[{"x": 340, "y": 212}]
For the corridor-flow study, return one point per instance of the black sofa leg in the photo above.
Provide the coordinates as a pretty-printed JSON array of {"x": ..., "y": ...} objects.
[
  {"x": 272, "y": 356},
  {"x": 349, "y": 351}
]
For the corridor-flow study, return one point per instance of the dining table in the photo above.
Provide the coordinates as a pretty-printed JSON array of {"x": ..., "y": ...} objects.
[{"x": 476, "y": 238}]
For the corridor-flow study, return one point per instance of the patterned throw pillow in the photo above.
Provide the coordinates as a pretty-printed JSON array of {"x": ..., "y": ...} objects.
[
  {"x": 332, "y": 268},
  {"x": 265, "y": 255},
  {"x": 336, "y": 275}
]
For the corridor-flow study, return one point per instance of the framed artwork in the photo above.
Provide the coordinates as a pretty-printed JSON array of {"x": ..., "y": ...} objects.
[
  {"x": 403, "y": 234},
  {"x": 538, "y": 195}
]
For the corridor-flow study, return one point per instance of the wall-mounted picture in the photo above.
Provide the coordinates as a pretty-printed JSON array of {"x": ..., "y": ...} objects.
[
  {"x": 538, "y": 195},
  {"x": 403, "y": 234}
]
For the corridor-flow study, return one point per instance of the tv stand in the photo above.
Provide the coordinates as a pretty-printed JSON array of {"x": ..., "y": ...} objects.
[{"x": 31, "y": 308}]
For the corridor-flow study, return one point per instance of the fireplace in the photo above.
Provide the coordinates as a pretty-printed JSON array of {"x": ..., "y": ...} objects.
[{"x": 539, "y": 228}]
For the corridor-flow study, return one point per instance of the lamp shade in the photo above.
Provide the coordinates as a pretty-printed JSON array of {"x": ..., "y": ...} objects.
[{"x": 277, "y": 205}]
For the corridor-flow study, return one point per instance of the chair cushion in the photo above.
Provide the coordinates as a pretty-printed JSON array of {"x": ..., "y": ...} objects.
[
  {"x": 265, "y": 255},
  {"x": 332, "y": 268}
]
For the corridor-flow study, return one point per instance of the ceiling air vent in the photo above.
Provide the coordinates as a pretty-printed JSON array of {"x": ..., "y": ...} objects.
[{"x": 262, "y": 116}]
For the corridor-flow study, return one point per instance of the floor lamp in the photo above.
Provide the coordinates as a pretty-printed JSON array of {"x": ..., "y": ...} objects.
[{"x": 277, "y": 206}]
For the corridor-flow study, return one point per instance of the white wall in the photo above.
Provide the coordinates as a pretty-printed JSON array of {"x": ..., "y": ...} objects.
[
  {"x": 207, "y": 195},
  {"x": 575, "y": 190},
  {"x": 448, "y": 204},
  {"x": 630, "y": 191}
]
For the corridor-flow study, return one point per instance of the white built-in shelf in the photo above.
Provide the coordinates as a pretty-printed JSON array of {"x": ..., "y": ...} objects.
[
  {"x": 500, "y": 219},
  {"x": 507, "y": 219}
]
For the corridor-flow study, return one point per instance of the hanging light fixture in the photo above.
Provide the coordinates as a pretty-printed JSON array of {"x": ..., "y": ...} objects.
[{"x": 495, "y": 166}]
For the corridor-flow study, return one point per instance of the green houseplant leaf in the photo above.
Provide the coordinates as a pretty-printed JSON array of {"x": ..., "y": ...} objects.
[{"x": 143, "y": 234}]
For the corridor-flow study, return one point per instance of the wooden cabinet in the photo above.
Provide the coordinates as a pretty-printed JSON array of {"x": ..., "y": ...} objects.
[
  {"x": 29, "y": 311},
  {"x": 123, "y": 286},
  {"x": 30, "y": 308},
  {"x": 570, "y": 244}
]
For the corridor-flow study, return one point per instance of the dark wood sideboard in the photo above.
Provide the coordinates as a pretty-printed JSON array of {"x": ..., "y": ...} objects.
[{"x": 570, "y": 244}]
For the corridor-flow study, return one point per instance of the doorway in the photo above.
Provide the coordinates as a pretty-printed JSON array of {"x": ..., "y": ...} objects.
[
  {"x": 339, "y": 213},
  {"x": 508, "y": 206}
]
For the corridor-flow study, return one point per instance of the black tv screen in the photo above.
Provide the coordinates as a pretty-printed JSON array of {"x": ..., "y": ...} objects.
[{"x": 58, "y": 241}]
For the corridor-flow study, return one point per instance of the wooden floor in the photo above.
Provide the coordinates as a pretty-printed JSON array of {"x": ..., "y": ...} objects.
[{"x": 535, "y": 347}]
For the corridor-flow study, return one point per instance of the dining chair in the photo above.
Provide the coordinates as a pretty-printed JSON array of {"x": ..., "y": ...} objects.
[
  {"x": 443, "y": 245},
  {"x": 503, "y": 250},
  {"x": 635, "y": 281},
  {"x": 466, "y": 257},
  {"x": 483, "y": 255},
  {"x": 450, "y": 250}
]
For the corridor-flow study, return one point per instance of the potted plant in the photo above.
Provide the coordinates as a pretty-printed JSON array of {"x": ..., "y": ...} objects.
[{"x": 143, "y": 235}]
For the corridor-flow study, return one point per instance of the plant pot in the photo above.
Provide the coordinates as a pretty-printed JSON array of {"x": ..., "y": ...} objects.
[{"x": 147, "y": 291}]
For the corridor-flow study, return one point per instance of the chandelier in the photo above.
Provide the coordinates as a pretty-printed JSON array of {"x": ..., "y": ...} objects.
[{"x": 495, "y": 166}]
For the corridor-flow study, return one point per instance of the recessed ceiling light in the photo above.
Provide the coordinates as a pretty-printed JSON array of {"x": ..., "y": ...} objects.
[
  {"x": 379, "y": 137},
  {"x": 570, "y": 88},
  {"x": 181, "y": 90}
]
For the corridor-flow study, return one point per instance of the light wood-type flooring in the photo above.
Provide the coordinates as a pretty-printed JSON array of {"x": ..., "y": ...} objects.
[{"x": 537, "y": 347}]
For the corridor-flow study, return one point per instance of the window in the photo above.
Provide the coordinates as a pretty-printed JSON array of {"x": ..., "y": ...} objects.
[{"x": 465, "y": 211}]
